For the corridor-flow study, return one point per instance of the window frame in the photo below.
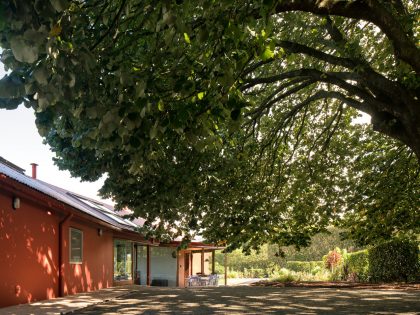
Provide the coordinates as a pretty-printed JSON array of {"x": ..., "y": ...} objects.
[
  {"x": 133, "y": 262},
  {"x": 71, "y": 260}
]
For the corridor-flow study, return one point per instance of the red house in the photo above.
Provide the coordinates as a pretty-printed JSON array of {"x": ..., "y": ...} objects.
[{"x": 54, "y": 243}]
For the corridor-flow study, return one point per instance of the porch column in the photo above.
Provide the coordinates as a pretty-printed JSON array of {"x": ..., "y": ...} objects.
[
  {"x": 202, "y": 261},
  {"x": 225, "y": 268},
  {"x": 191, "y": 264},
  {"x": 178, "y": 267},
  {"x": 213, "y": 252},
  {"x": 148, "y": 264}
]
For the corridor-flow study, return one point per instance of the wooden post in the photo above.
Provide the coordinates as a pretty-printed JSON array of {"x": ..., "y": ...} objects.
[
  {"x": 202, "y": 261},
  {"x": 178, "y": 267},
  {"x": 213, "y": 252},
  {"x": 148, "y": 264},
  {"x": 225, "y": 268},
  {"x": 134, "y": 263},
  {"x": 191, "y": 263}
]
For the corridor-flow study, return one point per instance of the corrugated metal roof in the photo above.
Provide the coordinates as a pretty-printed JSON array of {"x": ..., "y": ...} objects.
[
  {"x": 11, "y": 165},
  {"x": 94, "y": 208},
  {"x": 81, "y": 203}
]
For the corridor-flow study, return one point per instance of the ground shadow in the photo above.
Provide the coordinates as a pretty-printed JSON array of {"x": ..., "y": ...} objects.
[{"x": 257, "y": 300}]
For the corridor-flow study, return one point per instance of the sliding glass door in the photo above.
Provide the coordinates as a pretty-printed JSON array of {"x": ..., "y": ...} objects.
[{"x": 123, "y": 260}]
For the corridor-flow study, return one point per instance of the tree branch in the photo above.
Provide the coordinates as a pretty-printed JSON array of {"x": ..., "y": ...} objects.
[
  {"x": 370, "y": 103},
  {"x": 267, "y": 103},
  {"x": 114, "y": 22},
  {"x": 371, "y": 11},
  {"x": 299, "y": 48}
]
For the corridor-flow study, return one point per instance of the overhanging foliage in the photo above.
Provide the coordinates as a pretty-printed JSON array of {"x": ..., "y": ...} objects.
[{"x": 230, "y": 117}]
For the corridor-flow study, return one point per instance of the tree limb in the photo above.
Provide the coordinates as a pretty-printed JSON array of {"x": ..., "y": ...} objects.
[
  {"x": 114, "y": 22},
  {"x": 371, "y": 11}
]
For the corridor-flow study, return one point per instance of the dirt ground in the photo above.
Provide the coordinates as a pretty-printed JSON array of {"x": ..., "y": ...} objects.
[{"x": 261, "y": 300}]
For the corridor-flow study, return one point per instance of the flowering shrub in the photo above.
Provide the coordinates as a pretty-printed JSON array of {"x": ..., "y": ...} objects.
[{"x": 333, "y": 259}]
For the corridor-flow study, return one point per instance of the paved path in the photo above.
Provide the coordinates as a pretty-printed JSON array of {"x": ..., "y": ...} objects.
[
  {"x": 68, "y": 304},
  {"x": 259, "y": 300}
]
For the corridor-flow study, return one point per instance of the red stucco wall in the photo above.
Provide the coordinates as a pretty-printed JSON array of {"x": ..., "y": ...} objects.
[
  {"x": 28, "y": 252},
  {"x": 96, "y": 271}
]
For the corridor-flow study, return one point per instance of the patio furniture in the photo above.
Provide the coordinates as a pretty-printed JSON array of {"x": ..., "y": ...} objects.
[
  {"x": 213, "y": 280},
  {"x": 203, "y": 280},
  {"x": 193, "y": 281}
]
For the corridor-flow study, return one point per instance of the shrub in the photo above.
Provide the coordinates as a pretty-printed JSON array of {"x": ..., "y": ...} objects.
[
  {"x": 317, "y": 269},
  {"x": 219, "y": 269},
  {"x": 333, "y": 259},
  {"x": 395, "y": 260},
  {"x": 234, "y": 274},
  {"x": 286, "y": 275},
  {"x": 283, "y": 275},
  {"x": 254, "y": 273},
  {"x": 304, "y": 266},
  {"x": 356, "y": 266}
]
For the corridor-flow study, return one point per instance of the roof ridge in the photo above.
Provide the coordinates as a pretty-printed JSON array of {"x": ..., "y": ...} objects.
[
  {"x": 12, "y": 165},
  {"x": 60, "y": 194}
]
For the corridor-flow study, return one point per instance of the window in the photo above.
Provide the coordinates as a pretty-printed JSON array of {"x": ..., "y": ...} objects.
[
  {"x": 76, "y": 246},
  {"x": 123, "y": 260}
]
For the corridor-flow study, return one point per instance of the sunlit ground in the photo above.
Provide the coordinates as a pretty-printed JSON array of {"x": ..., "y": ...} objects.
[
  {"x": 68, "y": 304},
  {"x": 260, "y": 300}
]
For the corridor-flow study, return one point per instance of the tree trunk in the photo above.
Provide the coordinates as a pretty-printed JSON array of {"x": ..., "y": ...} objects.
[{"x": 404, "y": 126}]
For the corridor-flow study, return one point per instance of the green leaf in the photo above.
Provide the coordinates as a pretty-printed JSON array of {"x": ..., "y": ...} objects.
[
  {"x": 11, "y": 87},
  {"x": 187, "y": 38},
  {"x": 24, "y": 51},
  {"x": 140, "y": 88},
  {"x": 143, "y": 112},
  {"x": 59, "y": 5},
  {"x": 267, "y": 54},
  {"x": 41, "y": 75},
  {"x": 153, "y": 132},
  {"x": 161, "y": 106},
  {"x": 200, "y": 95}
]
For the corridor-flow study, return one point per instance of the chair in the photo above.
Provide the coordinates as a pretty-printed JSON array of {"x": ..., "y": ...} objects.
[
  {"x": 193, "y": 281},
  {"x": 213, "y": 279},
  {"x": 203, "y": 280}
]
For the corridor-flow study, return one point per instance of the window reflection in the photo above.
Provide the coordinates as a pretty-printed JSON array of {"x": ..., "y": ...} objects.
[{"x": 123, "y": 260}]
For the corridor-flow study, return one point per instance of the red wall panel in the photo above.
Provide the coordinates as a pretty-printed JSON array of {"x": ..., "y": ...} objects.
[
  {"x": 28, "y": 252},
  {"x": 96, "y": 271}
]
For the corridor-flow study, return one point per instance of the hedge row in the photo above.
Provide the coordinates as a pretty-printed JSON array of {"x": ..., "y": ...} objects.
[
  {"x": 304, "y": 266},
  {"x": 395, "y": 260},
  {"x": 356, "y": 267}
]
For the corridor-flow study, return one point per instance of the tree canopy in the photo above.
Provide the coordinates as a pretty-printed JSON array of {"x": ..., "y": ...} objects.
[{"x": 232, "y": 118}]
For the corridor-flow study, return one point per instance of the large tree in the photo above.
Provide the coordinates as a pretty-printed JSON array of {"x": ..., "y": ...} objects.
[{"x": 233, "y": 117}]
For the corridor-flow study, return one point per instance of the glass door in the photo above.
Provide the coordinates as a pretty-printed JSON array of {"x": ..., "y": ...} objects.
[
  {"x": 141, "y": 265},
  {"x": 123, "y": 260}
]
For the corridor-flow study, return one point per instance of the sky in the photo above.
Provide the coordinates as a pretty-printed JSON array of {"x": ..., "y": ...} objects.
[{"x": 21, "y": 144}]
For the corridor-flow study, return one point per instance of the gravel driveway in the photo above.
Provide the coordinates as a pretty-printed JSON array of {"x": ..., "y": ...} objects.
[{"x": 260, "y": 300}]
